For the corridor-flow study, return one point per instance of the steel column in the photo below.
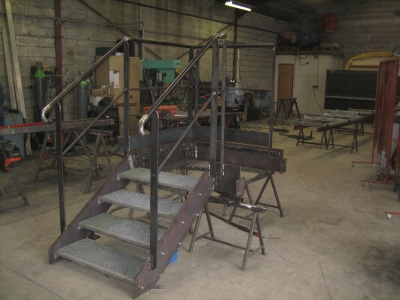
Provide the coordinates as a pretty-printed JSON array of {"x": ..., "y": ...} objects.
[
  {"x": 60, "y": 162},
  {"x": 154, "y": 191},
  {"x": 214, "y": 109},
  {"x": 191, "y": 88},
  {"x": 223, "y": 99},
  {"x": 126, "y": 98}
]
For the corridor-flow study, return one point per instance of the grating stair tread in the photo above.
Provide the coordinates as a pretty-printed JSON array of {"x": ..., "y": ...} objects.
[
  {"x": 165, "y": 179},
  {"x": 130, "y": 231},
  {"x": 104, "y": 259},
  {"x": 141, "y": 202}
]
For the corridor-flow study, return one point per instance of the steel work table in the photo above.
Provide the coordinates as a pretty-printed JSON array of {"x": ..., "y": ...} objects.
[{"x": 330, "y": 121}]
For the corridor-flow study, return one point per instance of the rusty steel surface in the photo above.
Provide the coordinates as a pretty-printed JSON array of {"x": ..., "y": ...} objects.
[
  {"x": 92, "y": 208},
  {"x": 174, "y": 235}
]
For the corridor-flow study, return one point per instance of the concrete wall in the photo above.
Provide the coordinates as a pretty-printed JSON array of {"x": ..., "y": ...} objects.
[
  {"x": 83, "y": 31},
  {"x": 309, "y": 79},
  {"x": 366, "y": 26}
]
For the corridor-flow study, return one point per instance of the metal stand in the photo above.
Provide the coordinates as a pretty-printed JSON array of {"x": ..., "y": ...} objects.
[
  {"x": 210, "y": 235},
  {"x": 268, "y": 175},
  {"x": 93, "y": 166},
  {"x": 19, "y": 192}
]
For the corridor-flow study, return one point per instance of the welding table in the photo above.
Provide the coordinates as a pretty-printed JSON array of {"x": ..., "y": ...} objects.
[{"x": 330, "y": 121}]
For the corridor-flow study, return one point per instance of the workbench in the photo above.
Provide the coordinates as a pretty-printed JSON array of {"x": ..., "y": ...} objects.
[{"x": 333, "y": 120}]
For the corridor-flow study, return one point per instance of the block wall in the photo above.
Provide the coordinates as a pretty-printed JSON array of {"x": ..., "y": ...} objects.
[
  {"x": 366, "y": 26},
  {"x": 83, "y": 30}
]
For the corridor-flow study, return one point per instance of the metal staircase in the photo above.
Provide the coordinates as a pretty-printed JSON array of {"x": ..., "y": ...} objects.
[
  {"x": 126, "y": 266},
  {"x": 146, "y": 159}
]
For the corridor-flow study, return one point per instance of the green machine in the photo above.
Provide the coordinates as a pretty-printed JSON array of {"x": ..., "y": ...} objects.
[{"x": 166, "y": 69}]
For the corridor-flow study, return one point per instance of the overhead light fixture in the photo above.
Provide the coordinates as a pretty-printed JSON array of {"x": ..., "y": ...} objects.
[{"x": 237, "y": 5}]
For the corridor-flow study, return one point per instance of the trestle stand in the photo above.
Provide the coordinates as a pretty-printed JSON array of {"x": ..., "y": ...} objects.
[
  {"x": 93, "y": 166},
  {"x": 210, "y": 234},
  {"x": 269, "y": 178}
]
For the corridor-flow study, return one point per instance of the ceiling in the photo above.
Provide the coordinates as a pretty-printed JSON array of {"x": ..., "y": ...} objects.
[{"x": 285, "y": 10}]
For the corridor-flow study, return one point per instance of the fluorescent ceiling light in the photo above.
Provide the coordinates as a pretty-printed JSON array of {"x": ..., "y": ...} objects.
[{"x": 235, "y": 5}]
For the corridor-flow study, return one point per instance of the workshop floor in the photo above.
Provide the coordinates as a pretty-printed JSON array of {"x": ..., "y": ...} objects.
[{"x": 335, "y": 241}]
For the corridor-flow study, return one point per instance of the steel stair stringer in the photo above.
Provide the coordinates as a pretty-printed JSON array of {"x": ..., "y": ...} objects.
[
  {"x": 92, "y": 208},
  {"x": 176, "y": 232}
]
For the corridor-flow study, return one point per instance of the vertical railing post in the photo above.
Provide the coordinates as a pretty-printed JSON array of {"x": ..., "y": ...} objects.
[
  {"x": 126, "y": 97},
  {"x": 214, "y": 108},
  {"x": 60, "y": 163},
  {"x": 191, "y": 89},
  {"x": 154, "y": 190},
  {"x": 223, "y": 99},
  {"x": 272, "y": 110},
  {"x": 196, "y": 86}
]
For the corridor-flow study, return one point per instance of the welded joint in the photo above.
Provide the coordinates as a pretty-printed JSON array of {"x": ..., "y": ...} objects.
[
  {"x": 143, "y": 121},
  {"x": 131, "y": 161}
]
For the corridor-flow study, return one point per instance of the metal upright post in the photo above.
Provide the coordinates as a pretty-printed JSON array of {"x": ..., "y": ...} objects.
[
  {"x": 60, "y": 163},
  {"x": 126, "y": 98},
  {"x": 223, "y": 99},
  {"x": 154, "y": 190},
  {"x": 191, "y": 88},
  {"x": 196, "y": 87},
  {"x": 271, "y": 112},
  {"x": 214, "y": 108}
]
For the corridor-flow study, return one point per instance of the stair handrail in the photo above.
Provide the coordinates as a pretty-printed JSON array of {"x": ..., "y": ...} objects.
[
  {"x": 68, "y": 89},
  {"x": 183, "y": 73}
]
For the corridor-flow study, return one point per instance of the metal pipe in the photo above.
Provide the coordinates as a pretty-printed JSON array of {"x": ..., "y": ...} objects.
[
  {"x": 190, "y": 92},
  {"x": 196, "y": 89},
  {"x": 126, "y": 98},
  {"x": 214, "y": 109},
  {"x": 145, "y": 117},
  {"x": 178, "y": 142},
  {"x": 60, "y": 162},
  {"x": 58, "y": 44},
  {"x": 223, "y": 99},
  {"x": 79, "y": 79},
  {"x": 271, "y": 111},
  {"x": 154, "y": 189}
]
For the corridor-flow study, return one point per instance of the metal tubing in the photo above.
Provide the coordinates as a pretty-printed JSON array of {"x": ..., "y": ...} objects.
[
  {"x": 191, "y": 91},
  {"x": 196, "y": 89},
  {"x": 272, "y": 113},
  {"x": 190, "y": 65},
  {"x": 223, "y": 99},
  {"x": 58, "y": 44},
  {"x": 185, "y": 133},
  {"x": 214, "y": 109},
  {"x": 60, "y": 162},
  {"x": 154, "y": 190},
  {"x": 79, "y": 79},
  {"x": 126, "y": 98}
]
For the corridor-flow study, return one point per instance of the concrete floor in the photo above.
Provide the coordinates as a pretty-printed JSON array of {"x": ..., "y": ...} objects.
[{"x": 335, "y": 241}]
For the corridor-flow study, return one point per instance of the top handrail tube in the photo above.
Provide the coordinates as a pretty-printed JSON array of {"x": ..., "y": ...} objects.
[
  {"x": 190, "y": 65},
  {"x": 80, "y": 78}
]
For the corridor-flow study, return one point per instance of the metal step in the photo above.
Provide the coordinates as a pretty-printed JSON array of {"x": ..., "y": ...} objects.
[
  {"x": 130, "y": 231},
  {"x": 104, "y": 259},
  {"x": 141, "y": 202},
  {"x": 165, "y": 179}
]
